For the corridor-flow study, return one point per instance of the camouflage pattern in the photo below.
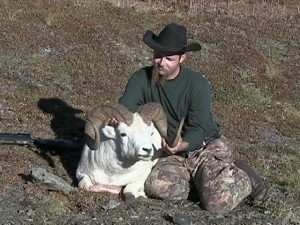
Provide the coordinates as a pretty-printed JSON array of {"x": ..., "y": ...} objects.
[
  {"x": 169, "y": 179},
  {"x": 220, "y": 184}
]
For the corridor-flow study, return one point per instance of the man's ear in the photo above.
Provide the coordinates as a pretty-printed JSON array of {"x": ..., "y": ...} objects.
[{"x": 182, "y": 58}]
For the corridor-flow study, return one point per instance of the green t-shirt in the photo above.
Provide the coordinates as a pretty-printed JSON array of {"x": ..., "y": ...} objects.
[{"x": 188, "y": 95}]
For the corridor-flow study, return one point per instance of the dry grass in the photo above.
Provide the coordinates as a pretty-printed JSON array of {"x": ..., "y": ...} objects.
[{"x": 269, "y": 8}]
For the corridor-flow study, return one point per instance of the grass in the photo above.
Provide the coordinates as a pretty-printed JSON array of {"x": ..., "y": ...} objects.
[{"x": 271, "y": 8}]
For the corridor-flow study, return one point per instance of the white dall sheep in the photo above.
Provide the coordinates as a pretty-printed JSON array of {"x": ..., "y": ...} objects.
[{"x": 121, "y": 157}]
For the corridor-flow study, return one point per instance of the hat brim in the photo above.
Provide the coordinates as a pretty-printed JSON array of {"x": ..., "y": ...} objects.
[{"x": 149, "y": 39}]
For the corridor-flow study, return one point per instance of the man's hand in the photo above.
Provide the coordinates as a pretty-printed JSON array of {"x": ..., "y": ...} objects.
[
  {"x": 112, "y": 122},
  {"x": 181, "y": 146}
]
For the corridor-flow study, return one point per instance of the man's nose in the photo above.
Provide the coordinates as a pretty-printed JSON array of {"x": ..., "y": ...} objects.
[{"x": 162, "y": 61}]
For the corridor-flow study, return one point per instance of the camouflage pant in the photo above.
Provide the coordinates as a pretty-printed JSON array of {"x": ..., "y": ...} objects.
[{"x": 219, "y": 184}]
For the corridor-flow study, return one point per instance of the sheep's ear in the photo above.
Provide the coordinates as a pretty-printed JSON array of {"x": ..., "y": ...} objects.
[{"x": 109, "y": 132}]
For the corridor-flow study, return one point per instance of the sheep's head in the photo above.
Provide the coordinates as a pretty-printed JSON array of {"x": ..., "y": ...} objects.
[
  {"x": 135, "y": 132},
  {"x": 135, "y": 141}
]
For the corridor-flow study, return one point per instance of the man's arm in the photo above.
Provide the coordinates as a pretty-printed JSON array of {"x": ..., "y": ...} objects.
[
  {"x": 199, "y": 115},
  {"x": 180, "y": 147}
]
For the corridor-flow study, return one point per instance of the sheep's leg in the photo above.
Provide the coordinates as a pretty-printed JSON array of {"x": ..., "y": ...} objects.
[
  {"x": 136, "y": 189},
  {"x": 103, "y": 187},
  {"x": 84, "y": 181}
]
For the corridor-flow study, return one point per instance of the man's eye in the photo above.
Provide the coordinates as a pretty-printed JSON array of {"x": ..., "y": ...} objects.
[{"x": 123, "y": 134}]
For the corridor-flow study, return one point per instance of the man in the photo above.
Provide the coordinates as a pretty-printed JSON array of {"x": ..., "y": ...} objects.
[{"x": 202, "y": 158}]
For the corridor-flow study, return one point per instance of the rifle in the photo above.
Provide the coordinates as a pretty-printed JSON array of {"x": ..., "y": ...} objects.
[{"x": 27, "y": 140}]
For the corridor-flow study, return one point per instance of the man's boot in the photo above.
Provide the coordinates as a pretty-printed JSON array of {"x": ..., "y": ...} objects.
[{"x": 259, "y": 188}]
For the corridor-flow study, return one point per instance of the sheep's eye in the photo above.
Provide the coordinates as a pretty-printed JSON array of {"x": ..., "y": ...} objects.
[
  {"x": 152, "y": 133},
  {"x": 123, "y": 134}
]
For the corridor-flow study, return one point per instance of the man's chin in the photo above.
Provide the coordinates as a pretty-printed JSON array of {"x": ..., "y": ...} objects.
[{"x": 161, "y": 72}]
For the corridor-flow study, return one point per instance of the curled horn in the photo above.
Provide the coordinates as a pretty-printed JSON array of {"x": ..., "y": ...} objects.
[
  {"x": 154, "y": 112},
  {"x": 98, "y": 116}
]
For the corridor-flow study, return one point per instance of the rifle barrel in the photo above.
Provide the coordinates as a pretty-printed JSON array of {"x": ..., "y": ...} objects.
[
  {"x": 25, "y": 139},
  {"x": 17, "y": 139}
]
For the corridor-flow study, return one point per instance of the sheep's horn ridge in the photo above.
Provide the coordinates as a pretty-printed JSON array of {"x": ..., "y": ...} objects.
[{"x": 98, "y": 116}]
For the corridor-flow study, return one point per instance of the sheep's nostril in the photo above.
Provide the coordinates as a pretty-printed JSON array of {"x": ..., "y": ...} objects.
[{"x": 147, "y": 149}]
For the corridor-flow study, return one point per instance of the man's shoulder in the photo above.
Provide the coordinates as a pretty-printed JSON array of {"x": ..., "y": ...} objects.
[
  {"x": 194, "y": 76},
  {"x": 143, "y": 73}
]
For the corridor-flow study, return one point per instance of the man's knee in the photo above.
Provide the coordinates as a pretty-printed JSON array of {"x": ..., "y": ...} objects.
[
  {"x": 167, "y": 189},
  {"x": 168, "y": 181}
]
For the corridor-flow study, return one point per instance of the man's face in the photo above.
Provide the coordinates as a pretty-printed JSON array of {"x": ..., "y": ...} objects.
[{"x": 167, "y": 65}]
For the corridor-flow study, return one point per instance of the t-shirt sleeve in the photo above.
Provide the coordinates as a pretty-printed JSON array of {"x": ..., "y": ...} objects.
[{"x": 199, "y": 115}]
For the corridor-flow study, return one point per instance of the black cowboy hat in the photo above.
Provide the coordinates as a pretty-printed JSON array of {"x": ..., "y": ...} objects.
[{"x": 172, "y": 39}]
